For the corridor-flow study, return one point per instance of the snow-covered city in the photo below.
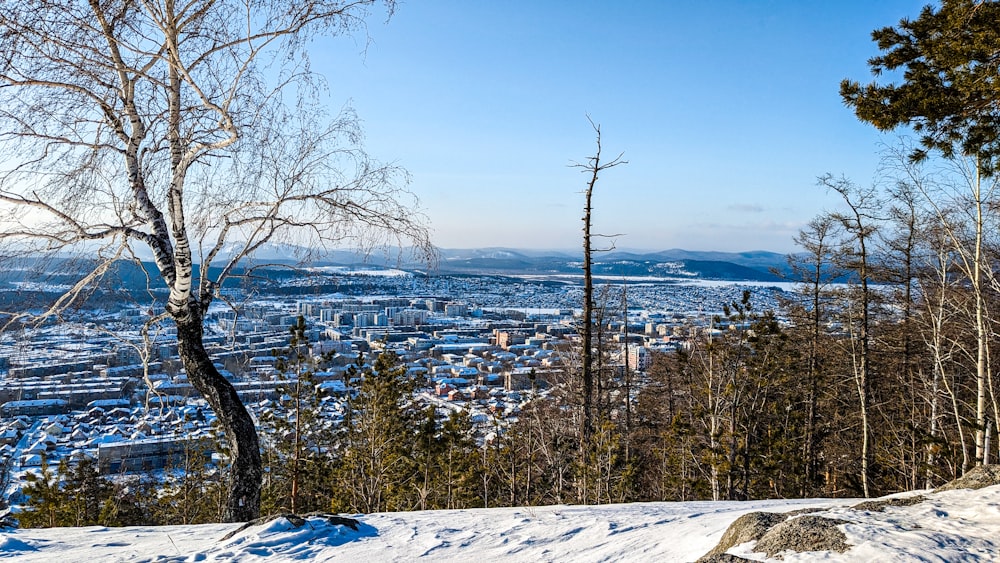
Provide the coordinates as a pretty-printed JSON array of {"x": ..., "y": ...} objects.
[{"x": 98, "y": 386}]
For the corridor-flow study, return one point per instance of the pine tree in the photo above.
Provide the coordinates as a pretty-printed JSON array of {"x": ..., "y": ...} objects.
[
  {"x": 185, "y": 496},
  {"x": 297, "y": 436},
  {"x": 447, "y": 463},
  {"x": 948, "y": 93},
  {"x": 78, "y": 495},
  {"x": 6, "y": 464},
  {"x": 46, "y": 505},
  {"x": 375, "y": 470},
  {"x": 425, "y": 458},
  {"x": 459, "y": 462},
  {"x": 664, "y": 438},
  {"x": 86, "y": 493}
]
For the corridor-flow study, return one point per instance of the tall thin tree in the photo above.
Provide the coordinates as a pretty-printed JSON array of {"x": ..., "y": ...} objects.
[
  {"x": 859, "y": 225},
  {"x": 592, "y": 168}
]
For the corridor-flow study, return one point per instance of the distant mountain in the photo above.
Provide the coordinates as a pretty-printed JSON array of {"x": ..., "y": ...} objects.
[
  {"x": 755, "y": 265},
  {"x": 756, "y": 259},
  {"x": 752, "y": 266},
  {"x": 719, "y": 270},
  {"x": 735, "y": 266}
]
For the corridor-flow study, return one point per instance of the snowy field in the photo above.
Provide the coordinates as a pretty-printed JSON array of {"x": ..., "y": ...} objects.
[{"x": 962, "y": 525}]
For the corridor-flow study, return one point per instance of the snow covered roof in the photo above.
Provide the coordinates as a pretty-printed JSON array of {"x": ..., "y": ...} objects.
[{"x": 35, "y": 403}]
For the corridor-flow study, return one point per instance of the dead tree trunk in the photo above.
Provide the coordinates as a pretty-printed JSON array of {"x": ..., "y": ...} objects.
[{"x": 593, "y": 167}]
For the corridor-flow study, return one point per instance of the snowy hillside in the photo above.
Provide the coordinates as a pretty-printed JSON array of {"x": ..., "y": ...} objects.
[{"x": 958, "y": 525}]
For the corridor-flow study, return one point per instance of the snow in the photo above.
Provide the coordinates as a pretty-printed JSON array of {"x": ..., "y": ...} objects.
[
  {"x": 960, "y": 525},
  {"x": 349, "y": 271}
]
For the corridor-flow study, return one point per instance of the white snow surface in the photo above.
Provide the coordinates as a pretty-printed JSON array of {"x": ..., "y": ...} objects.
[{"x": 962, "y": 525}]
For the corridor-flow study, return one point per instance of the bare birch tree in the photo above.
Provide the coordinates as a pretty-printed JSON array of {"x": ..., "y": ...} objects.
[
  {"x": 947, "y": 59},
  {"x": 963, "y": 201},
  {"x": 187, "y": 130},
  {"x": 859, "y": 223},
  {"x": 938, "y": 313}
]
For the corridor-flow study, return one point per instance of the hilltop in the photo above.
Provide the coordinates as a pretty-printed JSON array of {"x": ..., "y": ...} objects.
[
  {"x": 29, "y": 278},
  {"x": 758, "y": 265},
  {"x": 955, "y": 525}
]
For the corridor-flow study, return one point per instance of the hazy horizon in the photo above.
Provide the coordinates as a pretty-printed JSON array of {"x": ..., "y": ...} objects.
[{"x": 727, "y": 112}]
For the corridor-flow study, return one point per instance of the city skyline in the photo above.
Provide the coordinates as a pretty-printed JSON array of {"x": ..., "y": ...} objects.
[{"x": 727, "y": 112}]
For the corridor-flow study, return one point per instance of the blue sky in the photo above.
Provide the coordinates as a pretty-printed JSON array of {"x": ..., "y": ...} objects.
[{"x": 726, "y": 110}]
